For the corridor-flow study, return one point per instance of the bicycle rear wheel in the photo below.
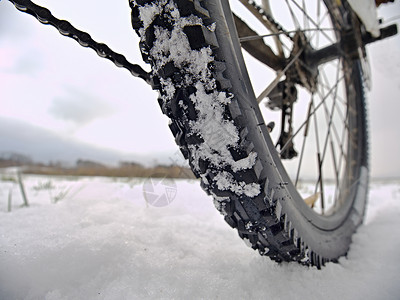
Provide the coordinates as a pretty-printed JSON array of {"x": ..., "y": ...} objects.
[{"x": 257, "y": 176}]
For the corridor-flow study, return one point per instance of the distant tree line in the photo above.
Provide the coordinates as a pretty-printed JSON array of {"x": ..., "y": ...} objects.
[
  {"x": 11, "y": 159},
  {"x": 92, "y": 168}
]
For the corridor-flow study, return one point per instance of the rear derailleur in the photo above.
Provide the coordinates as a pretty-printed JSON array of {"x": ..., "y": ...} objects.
[{"x": 282, "y": 98}]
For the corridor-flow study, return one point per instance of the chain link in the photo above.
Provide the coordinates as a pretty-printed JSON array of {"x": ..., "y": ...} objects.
[
  {"x": 44, "y": 16},
  {"x": 270, "y": 19}
]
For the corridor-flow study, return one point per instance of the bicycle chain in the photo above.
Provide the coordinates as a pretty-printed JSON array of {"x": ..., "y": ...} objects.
[
  {"x": 270, "y": 19},
  {"x": 44, "y": 16}
]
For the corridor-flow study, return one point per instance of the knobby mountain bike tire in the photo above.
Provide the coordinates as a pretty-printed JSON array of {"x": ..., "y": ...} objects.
[{"x": 204, "y": 88}]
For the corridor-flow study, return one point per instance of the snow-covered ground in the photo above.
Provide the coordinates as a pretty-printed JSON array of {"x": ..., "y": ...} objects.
[{"x": 98, "y": 238}]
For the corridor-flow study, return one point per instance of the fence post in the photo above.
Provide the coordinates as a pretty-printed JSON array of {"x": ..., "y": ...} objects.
[
  {"x": 9, "y": 199},
  {"x": 21, "y": 186}
]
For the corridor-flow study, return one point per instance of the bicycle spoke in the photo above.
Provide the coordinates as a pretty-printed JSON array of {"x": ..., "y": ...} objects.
[
  {"x": 338, "y": 189},
  {"x": 343, "y": 119},
  {"x": 269, "y": 25},
  {"x": 310, "y": 19},
  {"x": 320, "y": 181},
  {"x": 306, "y": 23},
  {"x": 330, "y": 124},
  {"x": 304, "y": 143},
  {"x": 338, "y": 140},
  {"x": 317, "y": 145},
  {"x": 259, "y": 37},
  {"x": 335, "y": 163},
  {"x": 342, "y": 159},
  {"x": 318, "y": 30},
  {"x": 312, "y": 113},
  {"x": 319, "y": 11},
  {"x": 318, "y": 19},
  {"x": 338, "y": 97},
  {"x": 321, "y": 184},
  {"x": 274, "y": 83},
  {"x": 332, "y": 147},
  {"x": 341, "y": 116},
  {"x": 294, "y": 18}
]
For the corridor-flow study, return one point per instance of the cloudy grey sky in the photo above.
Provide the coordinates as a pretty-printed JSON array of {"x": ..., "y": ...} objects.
[{"x": 50, "y": 83}]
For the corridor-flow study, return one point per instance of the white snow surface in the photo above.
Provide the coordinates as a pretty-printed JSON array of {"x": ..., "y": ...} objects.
[{"x": 102, "y": 241}]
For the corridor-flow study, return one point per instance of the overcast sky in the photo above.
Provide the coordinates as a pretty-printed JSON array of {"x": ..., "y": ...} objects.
[{"x": 49, "y": 82}]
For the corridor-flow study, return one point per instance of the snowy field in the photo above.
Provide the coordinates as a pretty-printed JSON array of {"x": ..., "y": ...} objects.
[{"x": 98, "y": 238}]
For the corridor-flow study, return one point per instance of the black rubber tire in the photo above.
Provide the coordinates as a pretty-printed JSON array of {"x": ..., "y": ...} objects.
[{"x": 235, "y": 158}]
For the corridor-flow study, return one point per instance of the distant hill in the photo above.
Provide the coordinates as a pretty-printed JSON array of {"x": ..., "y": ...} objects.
[{"x": 45, "y": 146}]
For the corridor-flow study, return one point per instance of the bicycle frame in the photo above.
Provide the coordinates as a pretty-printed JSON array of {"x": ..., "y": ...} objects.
[{"x": 366, "y": 12}]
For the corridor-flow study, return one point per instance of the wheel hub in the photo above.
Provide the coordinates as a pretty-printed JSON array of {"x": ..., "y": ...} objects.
[{"x": 302, "y": 72}]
